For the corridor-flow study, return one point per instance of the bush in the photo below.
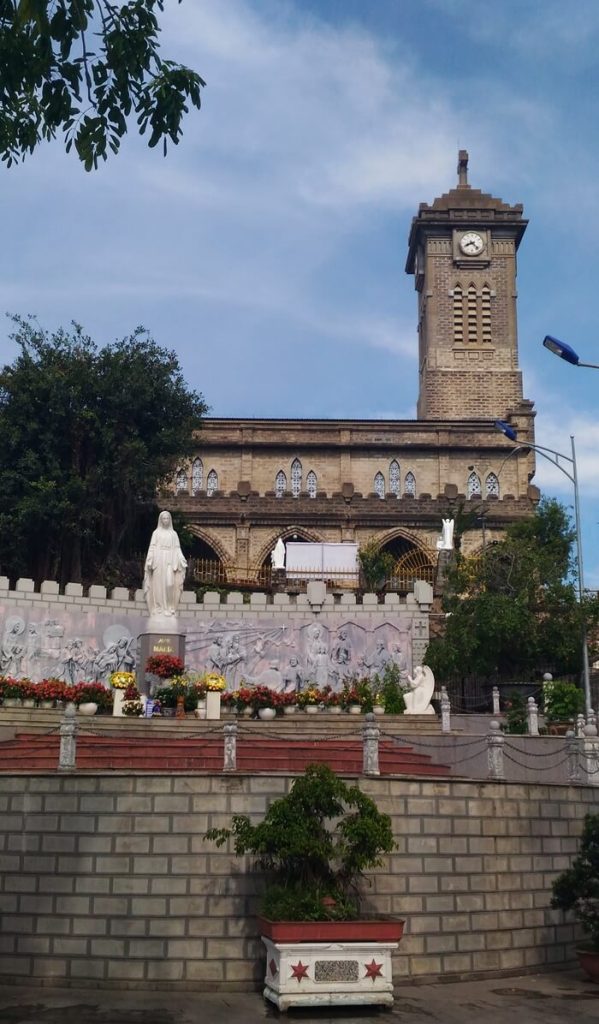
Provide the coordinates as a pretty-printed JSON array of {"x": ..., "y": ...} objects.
[
  {"x": 315, "y": 843},
  {"x": 516, "y": 719},
  {"x": 562, "y": 701},
  {"x": 391, "y": 690},
  {"x": 577, "y": 888}
]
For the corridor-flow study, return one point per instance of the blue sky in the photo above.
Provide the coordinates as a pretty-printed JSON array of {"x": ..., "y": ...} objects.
[{"x": 268, "y": 248}]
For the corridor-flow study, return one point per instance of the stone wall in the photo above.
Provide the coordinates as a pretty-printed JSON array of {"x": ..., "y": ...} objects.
[
  {"x": 106, "y": 880},
  {"x": 38, "y": 629}
]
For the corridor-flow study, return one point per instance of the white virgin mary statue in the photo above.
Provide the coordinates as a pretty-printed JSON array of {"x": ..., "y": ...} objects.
[{"x": 165, "y": 570}]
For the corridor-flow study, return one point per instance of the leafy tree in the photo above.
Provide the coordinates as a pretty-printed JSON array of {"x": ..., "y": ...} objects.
[
  {"x": 376, "y": 565},
  {"x": 80, "y": 68},
  {"x": 514, "y": 609},
  {"x": 86, "y": 437}
]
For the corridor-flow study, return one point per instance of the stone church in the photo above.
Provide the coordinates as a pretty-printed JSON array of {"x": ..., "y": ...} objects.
[{"x": 389, "y": 481}]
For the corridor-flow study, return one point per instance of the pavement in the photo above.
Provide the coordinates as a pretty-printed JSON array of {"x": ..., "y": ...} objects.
[{"x": 558, "y": 998}]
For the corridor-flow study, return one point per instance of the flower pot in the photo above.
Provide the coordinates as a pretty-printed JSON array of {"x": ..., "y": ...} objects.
[
  {"x": 329, "y": 963},
  {"x": 290, "y": 709},
  {"x": 12, "y": 702},
  {"x": 248, "y": 712},
  {"x": 311, "y": 709},
  {"x": 334, "y": 709},
  {"x": 28, "y": 702},
  {"x": 355, "y": 709},
  {"x": 46, "y": 705},
  {"x": 589, "y": 961},
  {"x": 88, "y": 708},
  {"x": 378, "y": 709},
  {"x": 200, "y": 711},
  {"x": 212, "y": 704},
  {"x": 267, "y": 714},
  {"x": 117, "y": 707}
]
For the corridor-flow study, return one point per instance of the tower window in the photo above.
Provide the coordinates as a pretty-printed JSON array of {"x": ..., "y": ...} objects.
[
  {"x": 394, "y": 478},
  {"x": 458, "y": 315},
  {"x": 197, "y": 476},
  {"x": 473, "y": 486},
  {"x": 472, "y": 303},
  {"x": 492, "y": 485},
  {"x": 471, "y": 314},
  {"x": 410, "y": 484},
  {"x": 280, "y": 484},
  {"x": 296, "y": 478},
  {"x": 212, "y": 483},
  {"x": 311, "y": 484},
  {"x": 485, "y": 302},
  {"x": 379, "y": 485}
]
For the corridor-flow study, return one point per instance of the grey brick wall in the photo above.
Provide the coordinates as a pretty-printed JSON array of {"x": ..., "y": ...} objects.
[{"x": 106, "y": 880}]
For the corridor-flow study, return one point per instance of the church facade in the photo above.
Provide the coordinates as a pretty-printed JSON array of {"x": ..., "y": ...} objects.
[{"x": 388, "y": 481}]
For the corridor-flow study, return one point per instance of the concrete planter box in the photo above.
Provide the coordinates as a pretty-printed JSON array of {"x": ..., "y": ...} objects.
[{"x": 329, "y": 963}]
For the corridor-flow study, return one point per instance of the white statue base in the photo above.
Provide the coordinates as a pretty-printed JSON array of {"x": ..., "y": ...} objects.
[{"x": 163, "y": 624}]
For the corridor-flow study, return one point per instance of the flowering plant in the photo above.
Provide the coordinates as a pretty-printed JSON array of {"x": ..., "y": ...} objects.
[
  {"x": 331, "y": 699},
  {"x": 51, "y": 689},
  {"x": 96, "y": 693},
  {"x": 121, "y": 680},
  {"x": 254, "y": 697},
  {"x": 12, "y": 687},
  {"x": 214, "y": 682},
  {"x": 310, "y": 696},
  {"x": 132, "y": 703},
  {"x": 357, "y": 691},
  {"x": 164, "y": 665}
]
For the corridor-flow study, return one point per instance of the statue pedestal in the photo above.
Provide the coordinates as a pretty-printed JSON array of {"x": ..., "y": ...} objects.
[
  {"x": 157, "y": 643},
  {"x": 278, "y": 581}
]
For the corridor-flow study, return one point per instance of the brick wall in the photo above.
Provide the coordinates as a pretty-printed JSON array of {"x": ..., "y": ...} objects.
[{"x": 106, "y": 880}]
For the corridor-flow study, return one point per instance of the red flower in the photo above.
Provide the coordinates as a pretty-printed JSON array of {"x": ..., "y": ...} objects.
[{"x": 164, "y": 665}]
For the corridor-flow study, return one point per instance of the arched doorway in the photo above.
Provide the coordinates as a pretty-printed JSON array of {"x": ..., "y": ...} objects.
[
  {"x": 205, "y": 564},
  {"x": 412, "y": 562}
]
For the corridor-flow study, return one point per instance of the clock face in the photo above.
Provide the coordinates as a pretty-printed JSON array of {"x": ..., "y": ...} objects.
[{"x": 471, "y": 243}]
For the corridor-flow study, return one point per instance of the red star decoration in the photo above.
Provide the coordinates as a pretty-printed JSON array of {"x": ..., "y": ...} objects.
[
  {"x": 273, "y": 967},
  {"x": 373, "y": 970},
  {"x": 299, "y": 970}
]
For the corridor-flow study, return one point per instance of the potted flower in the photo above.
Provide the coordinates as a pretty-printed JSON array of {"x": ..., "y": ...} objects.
[
  {"x": 357, "y": 696},
  {"x": 91, "y": 695},
  {"x": 310, "y": 700},
  {"x": 287, "y": 702},
  {"x": 12, "y": 692},
  {"x": 315, "y": 844},
  {"x": 331, "y": 700},
  {"x": 562, "y": 702},
  {"x": 27, "y": 693},
  {"x": 167, "y": 700},
  {"x": 49, "y": 691},
  {"x": 165, "y": 666},
  {"x": 120, "y": 681},
  {"x": 132, "y": 704},
  {"x": 262, "y": 700},
  {"x": 215, "y": 685},
  {"x": 577, "y": 889}
]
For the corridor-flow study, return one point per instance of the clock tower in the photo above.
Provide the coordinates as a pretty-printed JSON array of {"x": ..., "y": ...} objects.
[{"x": 462, "y": 253}]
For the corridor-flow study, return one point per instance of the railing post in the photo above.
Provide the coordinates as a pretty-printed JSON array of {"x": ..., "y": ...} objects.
[
  {"x": 580, "y": 724},
  {"x": 445, "y": 711},
  {"x": 495, "y": 694},
  {"x": 68, "y": 740},
  {"x": 532, "y": 715},
  {"x": 573, "y": 749},
  {"x": 230, "y": 761},
  {"x": 495, "y": 741},
  {"x": 370, "y": 758}
]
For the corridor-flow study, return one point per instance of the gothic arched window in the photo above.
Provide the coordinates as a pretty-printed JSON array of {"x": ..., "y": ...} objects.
[
  {"x": 311, "y": 484},
  {"x": 212, "y": 483},
  {"x": 410, "y": 484},
  {"x": 379, "y": 485},
  {"x": 492, "y": 485},
  {"x": 296, "y": 478},
  {"x": 473, "y": 486},
  {"x": 197, "y": 476},
  {"x": 280, "y": 484},
  {"x": 181, "y": 481},
  {"x": 394, "y": 478}
]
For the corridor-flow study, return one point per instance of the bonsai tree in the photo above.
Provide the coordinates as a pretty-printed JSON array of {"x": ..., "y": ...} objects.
[
  {"x": 577, "y": 888},
  {"x": 315, "y": 844}
]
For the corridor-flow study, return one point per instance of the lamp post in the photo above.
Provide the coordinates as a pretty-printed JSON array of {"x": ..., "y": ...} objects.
[
  {"x": 554, "y": 458},
  {"x": 564, "y": 351}
]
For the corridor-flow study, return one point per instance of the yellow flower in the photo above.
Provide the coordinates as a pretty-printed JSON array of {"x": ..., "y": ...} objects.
[
  {"x": 121, "y": 680},
  {"x": 214, "y": 682}
]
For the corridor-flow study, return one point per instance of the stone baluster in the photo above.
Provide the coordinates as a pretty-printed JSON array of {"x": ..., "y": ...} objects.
[
  {"x": 580, "y": 724},
  {"x": 230, "y": 761},
  {"x": 445, "y": 711},
  {"x": 573, "y": 751},
  {"x": 495, "y": 694},
  {"x": 68, "y": 740},
  {"x": 590, "y": 747},
  {"x": 495, "y": 741},
  {"x": 532, "y": 715},
  {"x": 370, "y": 734}
]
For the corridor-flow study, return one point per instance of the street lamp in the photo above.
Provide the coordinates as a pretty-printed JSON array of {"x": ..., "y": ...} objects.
[
  {"x": 554, "y": 458},
  {"x": 564, "y": 351}
]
